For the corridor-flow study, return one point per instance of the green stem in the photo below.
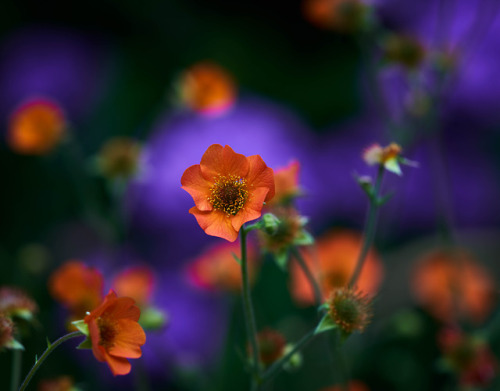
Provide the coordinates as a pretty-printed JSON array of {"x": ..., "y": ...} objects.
[
  {"x": 45, "y": 354},
  {"x": 278, "y": 365},
  {"x": 248, "y": 309},
  {"x": 369, "y": 231},
  {"x": 318, "y": 297},
  {"x": 16, "y": 369}
]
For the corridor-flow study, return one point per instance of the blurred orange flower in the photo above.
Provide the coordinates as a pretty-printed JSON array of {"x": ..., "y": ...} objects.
[
  {"x": 207, "y": 88},
  {"x": 286, "y": 182},
  {"x": 332, "y": 262},
  {"x": 450, "y": 284},
  {"x": 119, "y": 157},
  {"x": 62, "y": 383},
  {"x": 136, "y": 282},
  {"x": 115, "y": 332},
  {"x": 353, "y": 385},
  {"x": 228, "y": 190},
  {"x": 216, "y": 269},
  {"x": 77, "y": 286},
  {"x": 36, "y": 127},
  {"x": 271, "y": 346},
  {"x": 344, "y": 16},
  {"x": 6, "y": 332}
]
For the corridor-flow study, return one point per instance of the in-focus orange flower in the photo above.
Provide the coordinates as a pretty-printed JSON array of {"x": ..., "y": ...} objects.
[
  {"x": 115, "y": 332},
  {"x": 228, "y": 190},
  {"x": 217, "y": 270},
  {"x": 136, "y": 282},
  {"x": 207, "y": 88},
  {"x": 451, "y": 284},
  {"x": 286, "y": 182},
  {"x": 77, "y": 286},
  {"x": 14, "y": 302},
  {"x": 36, "y": 127},
  {"x": 354, "y": 385},
  {"x": 332, "y": 261},
  {"x": 345, "y": 16}
]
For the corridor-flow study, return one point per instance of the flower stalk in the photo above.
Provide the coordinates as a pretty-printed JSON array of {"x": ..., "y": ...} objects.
[
  {"x": 50, "y": 348},
  {"x": 370, "y": 225},
  {"x": 16, "y": 368}
]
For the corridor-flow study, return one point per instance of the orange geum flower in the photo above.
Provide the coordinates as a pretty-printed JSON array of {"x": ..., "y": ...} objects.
[
  {"x": 450, "y": 284},
  {"x": 344, "y": 16},
  {"x": 228, "y": 189},
  {"x": 77, "y": 286},
  {"x": 286, "y": 181},
  {"x": 115, "y": 333},
  {"x": 332, "y": 261},
  {"x": 217, "y": 270},
  {"x": 207, "y": 88},
  {"x": 62, "y": 383},
  {"x": 136, "y": 282},
  {"x": 36, "y": 127}
]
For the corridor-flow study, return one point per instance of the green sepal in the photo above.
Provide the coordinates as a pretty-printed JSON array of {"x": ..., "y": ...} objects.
[
  {"x": 323, "y": 307},
  {"x": 281, "y": 258},
  {"x": 86, "y": 344},
  {"x": 408, "y": 162},
  {"x": 153, "y": 319},
  {"x": 392, "y": 165},
  {"x": 325, "y": 324},
  {"x": 236, "y": 258},
  {"x": 23, "y": 314},
  {"x": 365, "y": 182},
  {"x": 303, "y": 239},
  {"x": 81, "y": 326},
  {"x": 14, "y": 344}
]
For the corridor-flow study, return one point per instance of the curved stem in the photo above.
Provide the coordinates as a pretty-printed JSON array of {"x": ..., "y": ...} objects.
[
  {"x": 278, "y": 365},
  {"x": 45, "y": 354},
  {"x": 248, "y": 309},
  {"x": 369, "y": 231},
  {"x": 318, "y": 297}
]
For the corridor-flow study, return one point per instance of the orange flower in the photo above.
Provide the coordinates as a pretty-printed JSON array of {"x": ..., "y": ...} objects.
[
  {"x": 115, "y": 332},
  {"x": 77, "y": 287},
  {"x": 451, "y": 283},
  {"x": 135, "y": 282},
  {"x": 286, "y": 181},
  {"x": 36, "y": 127},
  {"x": 271, "y": 346},
  {"x": 216, "y": 269},
  {"x": 354, "y": 385},
  {"x": 207, "y": 88},
  {"x": 332, "y": 262},
  {"x": 228, "y": 190},
  {"x": 62, "y": 383},
  {"x": 344, "y": 16}
]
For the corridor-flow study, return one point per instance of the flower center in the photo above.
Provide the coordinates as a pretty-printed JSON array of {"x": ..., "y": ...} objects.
[
  {"x": 228, "y": 194},
  {"x": 107, "y": 332}
]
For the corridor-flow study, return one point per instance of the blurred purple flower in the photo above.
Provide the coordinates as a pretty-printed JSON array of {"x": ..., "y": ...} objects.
[
  {"x": 62, "y": 65},
  {"x": 158, "y": 205}
]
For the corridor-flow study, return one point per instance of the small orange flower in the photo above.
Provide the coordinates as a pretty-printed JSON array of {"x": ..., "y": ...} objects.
[
  {"x": 207, "y": 88},
  {"x": 286, "y": 181},
  {"x": 354, "y": 385},
  {"x": 115, "y": 332},
  {"x": 228, "y": 190},
  {"x": 77, "y": 287},
  {"x": 344, "y": 16},
  {"x": 333, "y": 261},
  {"x": 36, "y": 127},
  {"x": 216, "y": 269},
  {"x": 136, "y": 282},
  {"x": 451, "y": 284}
]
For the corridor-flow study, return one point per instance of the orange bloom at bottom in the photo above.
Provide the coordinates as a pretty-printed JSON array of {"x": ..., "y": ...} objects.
[{"x": 115, "y": 332}]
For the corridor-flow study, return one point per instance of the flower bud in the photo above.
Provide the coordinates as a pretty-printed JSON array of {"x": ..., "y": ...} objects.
[{"x": 349, "y": 309}]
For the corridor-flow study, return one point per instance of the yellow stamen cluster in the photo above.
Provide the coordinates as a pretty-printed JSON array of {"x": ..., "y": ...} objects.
[
  {"x": 349, "y": 309},
  {"x": 228, "y": 194},
  {"x": 107, "y": 332}
]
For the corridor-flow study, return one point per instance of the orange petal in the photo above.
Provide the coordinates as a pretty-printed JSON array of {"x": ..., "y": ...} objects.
[
  {"x": 215, "y": 223},
  {"x": 95, "y": 338},
  {"x": 124, "y": 308},
  {"x": 118, "y": 365},
  {"x": 252, "y": 209},
  {"x": 129, "y": 340},
  {"x": 219, "y": 160},
  {"x": 198, "y": 187},
  {"x": 260, "y": 175}
]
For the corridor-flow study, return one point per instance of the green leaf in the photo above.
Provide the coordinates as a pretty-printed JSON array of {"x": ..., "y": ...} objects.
[
  {"x": 86, "y": 344},
  {"x": 236, "y": 258},
  {"x": 325, "y": 324},
  {"x": 81, "y": 326}
]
